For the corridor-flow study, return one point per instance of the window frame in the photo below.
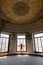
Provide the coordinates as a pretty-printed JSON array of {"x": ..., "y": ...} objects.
[
  {"x": 34, "y": 47},
  {"x": 22, "y": 38},
  {"x": 5, "y": 43}
]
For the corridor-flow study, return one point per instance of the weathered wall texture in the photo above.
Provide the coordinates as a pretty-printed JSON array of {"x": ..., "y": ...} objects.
[{"x": 13, "y": 46}]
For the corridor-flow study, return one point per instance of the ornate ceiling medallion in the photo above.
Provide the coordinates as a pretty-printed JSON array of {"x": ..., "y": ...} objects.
[
  {"x": 20, "y": 11},
  {"x": 21, "y": 8}
]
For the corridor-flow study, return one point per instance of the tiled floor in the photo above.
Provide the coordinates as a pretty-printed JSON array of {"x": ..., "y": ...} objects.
[{"x": 21, "y": 60}]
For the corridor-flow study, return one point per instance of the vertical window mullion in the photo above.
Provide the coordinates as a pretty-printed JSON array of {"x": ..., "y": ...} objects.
[
  {"x": 38, "y": 44},
  {"x": 41, "y": 43},
  {"x": 5, "y": 44},
  {"x": 34, "y": 45},
  {"x": 2, "y": 45}
]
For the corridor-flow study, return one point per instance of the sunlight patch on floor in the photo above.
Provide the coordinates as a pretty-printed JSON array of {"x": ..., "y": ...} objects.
[
  {"x": 3, "y": 57},
  {"x": 23, "y": 55}
]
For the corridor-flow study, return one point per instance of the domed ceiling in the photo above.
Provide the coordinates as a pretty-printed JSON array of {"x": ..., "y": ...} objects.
[{"x": 20, "y": 11}]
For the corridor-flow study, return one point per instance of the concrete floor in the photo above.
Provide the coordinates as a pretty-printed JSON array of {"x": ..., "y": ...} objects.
[{"x": 21, "y": 60}]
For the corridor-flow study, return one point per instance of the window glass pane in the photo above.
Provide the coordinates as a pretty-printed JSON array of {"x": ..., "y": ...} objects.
[
  {"x": 36, "y": 44},
  {"x": 6, "y": 44},
  {"x": 39, "y": 45},
  {"x": 24, "y": 47},
  {"x": 18, "y": 41},
  {"x": 3, "y": 44}
]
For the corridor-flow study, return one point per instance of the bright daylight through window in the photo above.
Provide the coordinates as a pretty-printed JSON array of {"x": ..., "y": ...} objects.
[
  {"x": 4, "y": 38},
  {"x": 21, "y": 43},
  {"x": 38, "y": 42}
]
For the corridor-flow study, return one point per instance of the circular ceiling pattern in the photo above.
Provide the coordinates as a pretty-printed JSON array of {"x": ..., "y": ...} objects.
[
  {"x": 20, "y": 11},
  {"x": 21, "y": 8}
]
